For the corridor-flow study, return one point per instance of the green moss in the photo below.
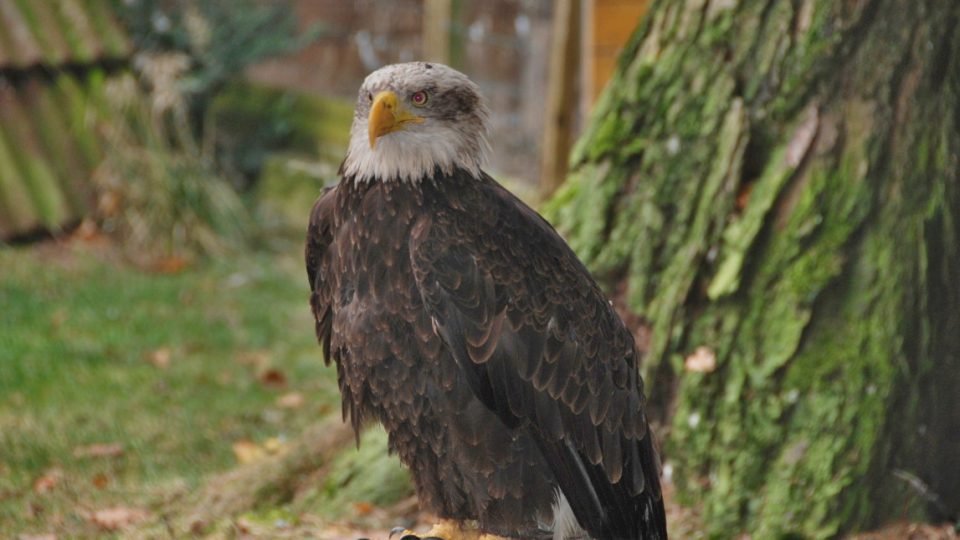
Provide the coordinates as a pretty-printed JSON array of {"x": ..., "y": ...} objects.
[
  {"x": 798, "y": 261},
  {"x": 365, "y": 475}
]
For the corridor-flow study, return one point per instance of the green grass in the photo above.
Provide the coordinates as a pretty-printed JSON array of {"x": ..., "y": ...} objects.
[{"x": 76, "y": 338}]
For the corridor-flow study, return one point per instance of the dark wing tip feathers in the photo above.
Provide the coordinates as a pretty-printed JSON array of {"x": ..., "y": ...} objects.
[
  {"x": 600, "y": 451},
  {"x": 319, "y": 236}
]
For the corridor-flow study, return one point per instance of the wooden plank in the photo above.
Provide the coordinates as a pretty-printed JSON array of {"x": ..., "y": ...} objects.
[
  {"x": 78, "y": 30},
  {"x": 58, "y": 144},
  {"x": 21, "y": 47},
  {"x": 437, "y": 15},
  {"x": 561, "y": 103},
  {"x": 18, "y": 213},
  {"x": 46, "y": 195},
  {"x": 114, "y": 38},
  {"x": 76, "y": 110},
  {"x": 43, "y": 27},
  {"x": 611, "y": 23}
]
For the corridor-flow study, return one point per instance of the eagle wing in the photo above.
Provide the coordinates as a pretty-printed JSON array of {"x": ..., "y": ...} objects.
[
  {"x": 540, "y": 345},
  {"x": 319, "y": 237}
]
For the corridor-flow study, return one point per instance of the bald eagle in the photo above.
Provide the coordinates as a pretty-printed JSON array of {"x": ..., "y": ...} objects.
[{"x": 461, "y": 321}]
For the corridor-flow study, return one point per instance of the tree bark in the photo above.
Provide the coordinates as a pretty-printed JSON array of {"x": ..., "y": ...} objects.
[{"x": 774, "y": 183}]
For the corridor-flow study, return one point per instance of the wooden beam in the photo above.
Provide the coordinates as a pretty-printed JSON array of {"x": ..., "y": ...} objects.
[
  {"x": 437, "y": 15},
  {"x": 561, "y": 106}
]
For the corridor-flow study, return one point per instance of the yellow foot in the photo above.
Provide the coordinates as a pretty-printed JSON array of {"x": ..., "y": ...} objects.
[{"x": 448, "y": 530}]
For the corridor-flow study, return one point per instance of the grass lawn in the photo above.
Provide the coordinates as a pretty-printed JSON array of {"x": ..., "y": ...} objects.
[{"x": 120, "y": 387}]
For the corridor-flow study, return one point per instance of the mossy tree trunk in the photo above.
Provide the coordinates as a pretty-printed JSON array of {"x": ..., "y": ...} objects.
[{"x": 775, "y": 183}]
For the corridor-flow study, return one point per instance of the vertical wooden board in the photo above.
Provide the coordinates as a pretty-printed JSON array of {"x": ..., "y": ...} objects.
[
  {"x": 58, "y": 144},
  {"x": 5, "y": 57},
  {"x": 42, "y": 25},
  {"x": 78, "y": 30},
  {"x": 17, "y": 213},
  {"x": 612, "y": 23},
  {"x": 45, "y": 192},
  {"x": 78, "y": 116},
  {"x": 561, "y": 94},
  {"x": 15, "y": 32},
  {"x": 112, "y": 36},
  {"x": 436, "y": 30}
]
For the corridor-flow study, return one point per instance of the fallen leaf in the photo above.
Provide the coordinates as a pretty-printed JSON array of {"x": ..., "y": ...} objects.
[
  {"x": 112, "y": 519},
  {"x": 703, "y": 360},
  {"x": 101, "y": 480},
  {"x": 160, "y": 357},
  {"x": 293, "y": 400},
  {"x": 170, "y": 265},
  {"x": 273, "y": 445},
  {"x": 248, "y": 452},
  {"x": 88, "y": 231},
  {"x": 243, "y": 525},
  {"x": 273, "y": 377},
  {"x": 362, "y": 508},
  {"x": 48, "y": 480},
  {"x": 743, "y": 197},
  {"x": 99, "y": 451}
]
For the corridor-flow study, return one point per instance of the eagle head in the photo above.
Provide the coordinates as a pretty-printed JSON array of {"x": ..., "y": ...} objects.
[{"x": 414, "y": 119}]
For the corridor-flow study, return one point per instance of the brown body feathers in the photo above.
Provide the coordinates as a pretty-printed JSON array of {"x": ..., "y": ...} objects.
[{"x": 461, "y": 321}]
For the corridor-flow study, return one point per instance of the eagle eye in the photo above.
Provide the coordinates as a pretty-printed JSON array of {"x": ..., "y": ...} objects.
[
  {"x": 369, "y": 97},
  {"x": 419, "y": 98}
]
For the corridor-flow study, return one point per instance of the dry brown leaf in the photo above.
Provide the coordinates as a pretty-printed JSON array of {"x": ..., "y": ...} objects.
[
  {"x": 703, "y": 360},
  {"x": 107, "y": 450},
  {"x": 248, "y": 451},
  {"x": 243, "y": 525},
  {"x": 170, "y": 265},
  {"x": 48, "y": 480},
  {"x": 743, "y": 197},
  {"x": 88, "y": 231},
  {"x": 293, "y": 400},
  {"x": 160, "y": 357},
  {"x": 112, "y": 519},
  {"x": 362, "y": 508},
  {"x": 273, "y": 378},
  {"x": 101, "y": 480}
]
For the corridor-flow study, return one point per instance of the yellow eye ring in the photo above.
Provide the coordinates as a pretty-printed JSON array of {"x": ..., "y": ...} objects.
[{"x": 419, "y": 99}]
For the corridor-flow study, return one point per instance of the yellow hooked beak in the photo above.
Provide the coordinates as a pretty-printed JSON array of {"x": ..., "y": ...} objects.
[{"x": 387, "y": 116}]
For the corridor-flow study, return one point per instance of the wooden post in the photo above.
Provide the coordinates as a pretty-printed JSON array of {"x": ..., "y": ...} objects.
[
  {"x": 437, "y": 15},
  {"x": 561, "y": 95}
]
